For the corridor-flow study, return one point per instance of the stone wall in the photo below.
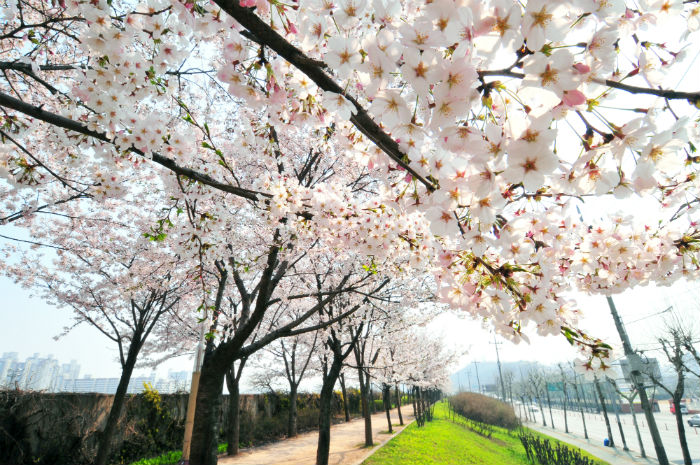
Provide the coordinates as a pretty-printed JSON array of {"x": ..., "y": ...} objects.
[{"x": 64, "y": 428}]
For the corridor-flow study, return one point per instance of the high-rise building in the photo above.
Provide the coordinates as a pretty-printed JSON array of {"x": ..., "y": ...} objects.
[
  {"x": 8, "y": 369},
  {"x": 46, "y": 374},
  {"x": 36, "y": 373}
]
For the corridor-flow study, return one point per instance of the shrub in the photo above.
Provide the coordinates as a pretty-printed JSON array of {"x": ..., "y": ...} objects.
[
  {"x": 484, "y": 409},
  {"x": 154, "y": 429}
]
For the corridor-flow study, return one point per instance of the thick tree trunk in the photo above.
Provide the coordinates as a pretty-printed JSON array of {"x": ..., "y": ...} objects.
[
  {"x": 425, "y": 406},
  {"x": 398, "y": 404},
  {"x": 387, "y": 404},
  {"x": 292, "y": 419},
  {"x": 420, "y": 417},
  {"x": 234, "y": 418},
  {"x": 118, "y": 404},
  {"x": 413, "y": 401},
  {"x": 325, "y": 411},
  {"x": 364, "y": 388},
  {"x": 204, "y": 432},
  {"x": 681, "y": 430},
  {"x": 345, "y": 397}
]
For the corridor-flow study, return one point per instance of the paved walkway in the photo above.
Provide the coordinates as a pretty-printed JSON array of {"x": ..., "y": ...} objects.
[
  {"x": 614, "y": 456},
  {"x": 347, "y": 444}
]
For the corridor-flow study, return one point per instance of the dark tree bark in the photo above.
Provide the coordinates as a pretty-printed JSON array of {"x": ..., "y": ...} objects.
[
  {"x": 324, "y": 421},
  {"x": 386, "y": 400},
  {"x": 233, "y": 378},
  {"x": 330, "y": 376},
  {"x": 344, "y": 391},
  {"x": 398, "y": 404},
  {"x": 292, "y": 417},
  {"x": 234, "y": 426},
  {"x": 204, "y": 434},
  {"x": 678, "y": 394},
  {"x": 420, "y": 406},
  {"x": 118, "y": 402},
  {"x": 364, "y": 388},
  {"x": 413, "y": 402}
]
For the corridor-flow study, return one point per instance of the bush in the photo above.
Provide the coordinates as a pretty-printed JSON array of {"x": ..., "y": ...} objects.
[
  {"x": 154, "y": 430},
  {"x": 379, "y": 405},
  {"x": 484, "y": 409}
]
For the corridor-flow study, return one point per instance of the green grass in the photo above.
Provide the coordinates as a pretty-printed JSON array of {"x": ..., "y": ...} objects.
[
  {"x": 443, "y": 442},
  {"x": 171, "y": 457}
]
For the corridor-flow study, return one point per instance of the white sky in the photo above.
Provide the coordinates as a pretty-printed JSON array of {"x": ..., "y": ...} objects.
[{"x": 28, "y": 325}]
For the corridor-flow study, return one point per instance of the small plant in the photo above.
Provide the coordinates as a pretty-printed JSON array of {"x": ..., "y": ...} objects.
[
  {"x": 163, "y": 459},
  {"x": 541, "y": 451},
  {"x": 153, "y": 397}
]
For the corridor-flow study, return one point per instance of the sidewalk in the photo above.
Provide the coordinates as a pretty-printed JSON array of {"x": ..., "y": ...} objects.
[
  {"x": 612, "y": 455},
  {"x": 347, "y": 444}
]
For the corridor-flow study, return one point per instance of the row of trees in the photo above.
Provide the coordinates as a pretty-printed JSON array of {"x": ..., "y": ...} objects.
[
  {"x": 563, "y": 388},
  {"x": 291, "y": 168}
]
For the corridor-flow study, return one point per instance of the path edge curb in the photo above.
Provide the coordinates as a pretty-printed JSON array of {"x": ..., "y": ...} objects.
[{"x": 374, "y": 449}]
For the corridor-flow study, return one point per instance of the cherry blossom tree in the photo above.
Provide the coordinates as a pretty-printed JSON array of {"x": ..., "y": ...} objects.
[
  {"x": 673, "y": 345},
  {"x": 130, "y": 287},
  {"x": 466, "y": 133},
  {"x": 292, "y": 361}
]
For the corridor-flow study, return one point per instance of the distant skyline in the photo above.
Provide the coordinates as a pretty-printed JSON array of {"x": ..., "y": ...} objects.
[{"x": 29, "y": 326}]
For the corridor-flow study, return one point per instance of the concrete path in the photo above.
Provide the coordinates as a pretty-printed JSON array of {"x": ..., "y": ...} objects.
[{"x": 347, "y": 444}]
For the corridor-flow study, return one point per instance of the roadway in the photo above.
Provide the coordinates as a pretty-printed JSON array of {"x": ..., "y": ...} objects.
[{"x": 595, "y": 424}]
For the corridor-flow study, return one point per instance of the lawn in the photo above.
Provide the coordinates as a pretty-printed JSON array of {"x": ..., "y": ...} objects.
[{"x": 446, "y": 443}]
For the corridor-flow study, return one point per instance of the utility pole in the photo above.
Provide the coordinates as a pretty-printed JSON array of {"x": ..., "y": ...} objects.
[
  {"x": 498, "y": 362},
  {"x": 476, "y": 367},
  {"x": 635, "y": 364},
  {"x": 469, "y": 379}
]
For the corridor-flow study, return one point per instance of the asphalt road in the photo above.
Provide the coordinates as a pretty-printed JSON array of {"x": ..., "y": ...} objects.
[{"x": 595, "y": 424}]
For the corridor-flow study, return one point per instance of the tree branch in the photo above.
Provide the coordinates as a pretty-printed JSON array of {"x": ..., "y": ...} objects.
[
  {"x": 265, "y": 35},
  {"x": 66, "y": 123}
]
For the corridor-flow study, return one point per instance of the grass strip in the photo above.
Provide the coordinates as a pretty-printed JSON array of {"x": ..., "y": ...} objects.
[{"x": 447, "y": 442}]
